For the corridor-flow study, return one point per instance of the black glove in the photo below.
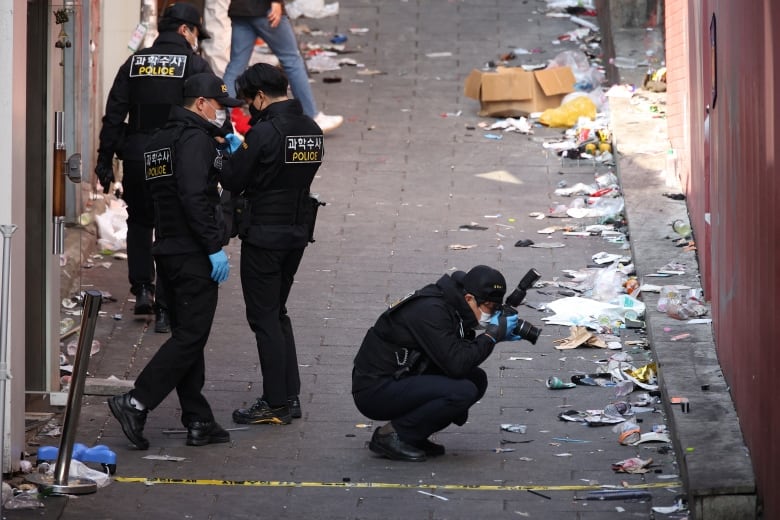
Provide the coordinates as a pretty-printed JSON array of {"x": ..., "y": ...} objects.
[
  {"x": 496, "y": 329},
  {"x": 104, "y": 169}
]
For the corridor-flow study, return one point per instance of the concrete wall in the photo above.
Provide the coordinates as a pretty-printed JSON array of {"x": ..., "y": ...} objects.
[
  {"x": 13, "y": 60},
  {"x": 731, "y": 176}
]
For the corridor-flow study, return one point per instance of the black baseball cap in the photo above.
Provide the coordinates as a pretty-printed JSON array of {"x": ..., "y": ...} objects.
[
  {"x": 208, "y": 85},
  {"x": 485, "y": 283},
  {"x": 186, "y": 13}
]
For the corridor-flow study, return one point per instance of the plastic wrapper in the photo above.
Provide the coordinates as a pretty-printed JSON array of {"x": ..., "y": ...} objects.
[{"x": 566, "y": 115}]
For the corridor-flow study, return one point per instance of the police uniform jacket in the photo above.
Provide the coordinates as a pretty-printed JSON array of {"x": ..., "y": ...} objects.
[
  {"x": 273, "y": 171},
  {"x": 147, "y": 85},
  {"x": 181, "y": 164},
  {"x": 435, "y": 321}
]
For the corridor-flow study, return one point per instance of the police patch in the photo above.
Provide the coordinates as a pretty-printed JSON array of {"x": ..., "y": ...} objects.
[
  {"x": 158, "y": 163},
  {"x": 158, "y": 65},
  {"x": 303, "y": 149}
]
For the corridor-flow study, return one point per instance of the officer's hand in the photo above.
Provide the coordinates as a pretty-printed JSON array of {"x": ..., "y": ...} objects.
[
  {"x": 104, "y": 169},
  {"x": 502, "y": 325},
  {"x": 220, "y": 269},
  {"x": 233, "y": 142}
]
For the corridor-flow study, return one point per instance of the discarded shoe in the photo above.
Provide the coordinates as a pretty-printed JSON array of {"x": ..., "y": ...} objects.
[
  {"x": 200, "y": 433},
  {"x": 131, "y": 419},
  {"x": 262, "y": 413},
  {"x": 391, "y": 446}
]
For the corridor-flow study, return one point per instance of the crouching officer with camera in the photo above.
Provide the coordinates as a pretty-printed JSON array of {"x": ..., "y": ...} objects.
[
  {"x": 418, "y": 366},
  {"x": 181, "y": 165},
  {"x": 273, "y": 170}
]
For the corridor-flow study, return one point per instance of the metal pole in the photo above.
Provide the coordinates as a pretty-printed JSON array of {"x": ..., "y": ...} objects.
[
  {"x": 7, "y": 230},
  {"x": 61, "y": 484}
]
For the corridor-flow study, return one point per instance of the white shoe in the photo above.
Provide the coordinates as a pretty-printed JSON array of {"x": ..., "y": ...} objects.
[{"x": 328, "y": 123}]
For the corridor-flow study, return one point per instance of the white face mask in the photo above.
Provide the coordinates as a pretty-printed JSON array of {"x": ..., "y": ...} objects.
[
  {"x": 194, "y": 45},
  {"x": 219, "y": 118},
  {"x": 484, "y": 318}
]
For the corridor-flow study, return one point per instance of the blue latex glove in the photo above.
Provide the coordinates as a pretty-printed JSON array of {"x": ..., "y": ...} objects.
[
  {"x": 501, "y": 326},
  {"x": 220, "y": 269},
  {"x": 233, "y": 142}
]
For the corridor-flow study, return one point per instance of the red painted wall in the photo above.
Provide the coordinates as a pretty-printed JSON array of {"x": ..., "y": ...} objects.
[{"x": 733, "y": 175}]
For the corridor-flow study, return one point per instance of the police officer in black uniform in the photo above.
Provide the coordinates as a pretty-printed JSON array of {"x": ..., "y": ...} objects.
[
  {"x": 145, "y": 88},
  {"x": 274, "y": 169},
  {"x": 418, "y": 366},
  {"x": 181, "y": 166}
]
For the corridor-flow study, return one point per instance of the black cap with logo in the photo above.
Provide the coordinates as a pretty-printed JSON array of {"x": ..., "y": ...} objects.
[
  {"x": 208, "y": 85},
  {"x": 188, "y": 14},
  {"x": 485, "y": 283}
]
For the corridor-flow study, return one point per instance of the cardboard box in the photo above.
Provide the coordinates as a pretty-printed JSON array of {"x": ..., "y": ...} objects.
[{"x": 512, "y": 91}]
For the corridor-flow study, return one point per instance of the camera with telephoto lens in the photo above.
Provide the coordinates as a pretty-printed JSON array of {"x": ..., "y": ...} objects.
[{"x": 523, "y": 329}]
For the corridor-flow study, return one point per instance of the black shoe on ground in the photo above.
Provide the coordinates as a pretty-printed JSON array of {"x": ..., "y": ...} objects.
[
  {"x": 391, "y": 446},
  {"x": 131, "y": 419},
  {"x": 294, "y": 403},
  {"x": 431, "y": 449},
  {"x": 162, "y": 322},
  {"x": 200, "y": 433},
  {"x": 144, "y": 300},
  {"x": 262, "y": 413}
]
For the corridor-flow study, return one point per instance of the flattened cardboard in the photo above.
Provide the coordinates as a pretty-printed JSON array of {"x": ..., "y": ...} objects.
[{"x": 512, "y": 91}]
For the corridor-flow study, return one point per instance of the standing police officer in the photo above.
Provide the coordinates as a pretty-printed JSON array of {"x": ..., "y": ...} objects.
[
  {"x": 181, "y": 167},
  {"x": 274, "y": 169},
  {"x": 146, "y": 86}
]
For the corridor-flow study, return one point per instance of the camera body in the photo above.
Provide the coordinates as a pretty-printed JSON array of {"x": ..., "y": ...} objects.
[{"x": 524, "y": 329}]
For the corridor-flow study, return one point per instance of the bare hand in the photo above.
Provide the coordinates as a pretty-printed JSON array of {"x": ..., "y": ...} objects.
[{"x": 275, "y": 14}]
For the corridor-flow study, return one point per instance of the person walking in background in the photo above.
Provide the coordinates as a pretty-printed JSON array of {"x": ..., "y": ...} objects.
[
  {"x": 273, "y": 170},
  {"x": 181, "y": 165},
  {"x": 266, "y": 19},
  {"x": 147, "y": 85}
]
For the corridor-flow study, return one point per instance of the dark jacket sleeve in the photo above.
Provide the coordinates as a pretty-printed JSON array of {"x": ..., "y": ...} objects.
[
  {"x": 256, "y": 159},
  {"x": 435, "y": 329},
  {"x": 112, "y": 133},
  {"x": 195, "y": 155}
]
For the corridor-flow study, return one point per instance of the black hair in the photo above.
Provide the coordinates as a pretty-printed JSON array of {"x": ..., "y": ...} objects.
[{"x": 262, "y": 77}]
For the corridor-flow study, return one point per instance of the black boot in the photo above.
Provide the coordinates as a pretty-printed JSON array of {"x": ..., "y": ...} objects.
[
  {"x": 162, "y": 321},
  {"x": 144, "y": 300}
]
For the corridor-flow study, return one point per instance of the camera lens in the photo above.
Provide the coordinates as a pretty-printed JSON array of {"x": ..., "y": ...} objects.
[{"x": 527, "y": 331}]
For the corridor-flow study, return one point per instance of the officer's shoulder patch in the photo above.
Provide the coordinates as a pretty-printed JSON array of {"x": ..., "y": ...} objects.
[
  {"x": 300, "y": 149},
  {"x": 158, "y": 163},
  {"x": 158, "y": 65}
]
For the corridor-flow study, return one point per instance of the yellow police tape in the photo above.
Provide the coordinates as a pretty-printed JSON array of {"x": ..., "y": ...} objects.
[{"x": 383, "y": 485}]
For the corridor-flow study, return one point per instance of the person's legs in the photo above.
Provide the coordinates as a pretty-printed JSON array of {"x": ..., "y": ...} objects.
[
  {"x": 261, "y": 281},
  {"x": 242, "y": 42},
  {"x": 140, "y": 224},
  {"x": 179, "y": 361},
  {"x": 419, "y": 406},
  {"x": 216, "y": 21},
  {"x": 289, "y": 267},
  {"x": 283, "y": 43}
]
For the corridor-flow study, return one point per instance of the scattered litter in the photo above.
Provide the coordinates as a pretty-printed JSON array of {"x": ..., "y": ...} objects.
[
  {"x": 579, "y": 336},
  {"x": 668, "y": 510},
  {"x": 548, "y": 245},
  {"x": 563, "y": 455},
  {"x": 524, "y": 243},
  {"x": 514, "y": 428},
  {"x": 556, "y": 383},
  {"x": 164, "y": 457},
  {"x": 364, "y": 425},
  {"x": 472, "y": 227},
  {"x": 632, "y": 465},
  {"x": 494, "y": 136},
  {"x": 432, "y": 495},
  {"x": 502, "y": 450},
  {"x": 459, "y": 247},
  {"x": 438, "y": 54}
]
